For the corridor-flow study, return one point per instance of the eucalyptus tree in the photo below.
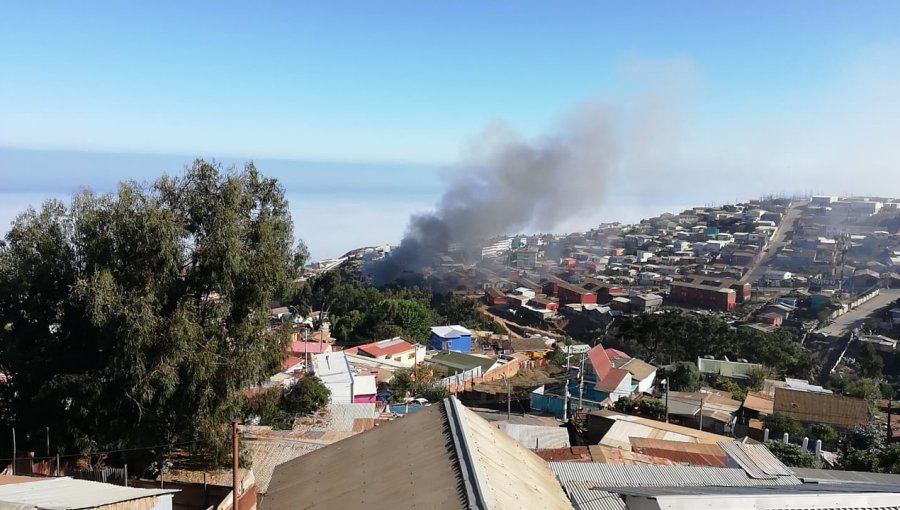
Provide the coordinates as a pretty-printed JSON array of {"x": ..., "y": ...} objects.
[{"x": 133, "y": 317}]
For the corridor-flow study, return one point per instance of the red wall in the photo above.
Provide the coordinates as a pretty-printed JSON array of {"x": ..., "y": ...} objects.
[
  {"x": 708, "y": 298},
  {"x": 567, "y": 296}
]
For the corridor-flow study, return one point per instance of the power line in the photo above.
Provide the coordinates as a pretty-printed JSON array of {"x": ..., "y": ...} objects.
[{"x": 139, "y": 448}]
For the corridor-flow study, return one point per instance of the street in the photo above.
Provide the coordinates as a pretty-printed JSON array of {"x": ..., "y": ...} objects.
[
  {"x": 856, "y": 318},
  {"x": 758, "y": 271}
]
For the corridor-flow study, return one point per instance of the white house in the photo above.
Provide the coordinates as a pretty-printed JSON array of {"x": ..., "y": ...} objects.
[
  {"x": 617, "y": 383},
  {"x": 334, "y": 371},
  {"x": 778, "y": 276},
  {"x": 642, "y": 373}
]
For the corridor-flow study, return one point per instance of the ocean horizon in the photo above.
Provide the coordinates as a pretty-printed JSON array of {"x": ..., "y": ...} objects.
[{"x": 336, "y": 206}]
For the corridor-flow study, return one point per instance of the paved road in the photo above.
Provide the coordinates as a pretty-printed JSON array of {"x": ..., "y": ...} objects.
[
  {"x": 838, "y": 332},
  {"x": 856, "y": 318},
  {"x": 776, "y": 243}
]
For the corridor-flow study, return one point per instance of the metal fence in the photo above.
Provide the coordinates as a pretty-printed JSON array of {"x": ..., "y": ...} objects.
[{"x": 460, "y": 378}]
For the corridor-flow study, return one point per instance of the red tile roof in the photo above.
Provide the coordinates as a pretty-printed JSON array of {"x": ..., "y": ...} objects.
[
  {"x": 612, "y": 380},
  {"x": 615, "y": 353},
  {"x": 600, "y": 361},
  {"x": 300, "y": 347},
  {"x": 290, "y": 361},
  {"x": 387, "y": 348}
]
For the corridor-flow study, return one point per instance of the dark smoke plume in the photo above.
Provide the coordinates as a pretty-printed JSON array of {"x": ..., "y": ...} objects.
[{"x": 507, "y": 185}]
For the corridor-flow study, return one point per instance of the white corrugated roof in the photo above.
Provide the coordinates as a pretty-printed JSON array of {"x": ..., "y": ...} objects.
[
  {"x": 450, "y": 331},
  {"x": 537, "y": 437},
  {"x": 67, "y": 493},
  {"x": 332, "y": 366}
]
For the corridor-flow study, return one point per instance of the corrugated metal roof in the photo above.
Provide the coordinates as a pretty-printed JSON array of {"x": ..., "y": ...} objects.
[
  {"x": 573, "y": 454},
  {"x": 443, "y": 457},
  {"x": 643, "y": 427},
  {"x": 584, "y": 496},
  {"x": 621, "y": 432},
  {"x": 607, "y": 455},
  {"x": 760, "y": 402},
  {"x": 613, "y": 476},
  {"x": 343, "y": 416},
  {"x": 837, "y": 476},
  {"x": 267, "y": 454},
  {"x": 756, "y": 460},
  {"x": 363, "y": 471},
  {"x": 821, "y": 408},
  {"x": 510, "y": 476},
  {"x": 535, "y": 437},
  {"x": 66, "y": 493},
  {"x": 687, "y": 453},
  {"x": 639, "y": 369},
  {"x": 795, "y": 497}
]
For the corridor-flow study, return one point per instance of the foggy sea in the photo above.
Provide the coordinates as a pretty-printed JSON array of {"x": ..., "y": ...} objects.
[
  {"x": 336, "y": 207},
  {"x": 333, "y": 223}
]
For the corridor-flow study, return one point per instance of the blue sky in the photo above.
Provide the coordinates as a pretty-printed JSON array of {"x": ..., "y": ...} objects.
[{"x": 772, "y": 88}]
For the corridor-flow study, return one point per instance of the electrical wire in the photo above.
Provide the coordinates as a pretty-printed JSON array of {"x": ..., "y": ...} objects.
[{"x": 74, "y": 455}]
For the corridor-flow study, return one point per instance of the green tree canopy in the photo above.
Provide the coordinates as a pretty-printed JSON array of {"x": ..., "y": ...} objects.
[
  {"x": 400, "y": 317},
  {"x": 870, "y": 362},
  {"x": 792, "y": 455},
  {"x": 779, "y": 423},
  {"x": 305, "y": 396},
  {"x": 684, "y": 377},
  {"x": 674, "y": 335},
  {"x": 132, "y": 317}
]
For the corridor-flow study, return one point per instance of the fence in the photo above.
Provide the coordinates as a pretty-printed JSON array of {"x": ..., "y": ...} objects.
[
  {"x": 508, "y": 369},
  {"x": 55, "y": 467},
  {"x": 460, "y": 378},
  {"x": 855, "y": 303}
]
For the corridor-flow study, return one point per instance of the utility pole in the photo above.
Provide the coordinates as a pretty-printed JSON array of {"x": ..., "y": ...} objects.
[
  {"x": 581, "y": 384},
  {"x": 700, "y": 427},
  {"x": 322, "y": 316},
  {"x": 508, "y": 399},
  {"x": 890, "y": 430},
  {"x": 48, "y": 442},
  {"x": 566, "y": 389},
  {"x": 666, "y": 382},
  {"x": 14, "y": 452},
  {"x": 235, "y": 479}
]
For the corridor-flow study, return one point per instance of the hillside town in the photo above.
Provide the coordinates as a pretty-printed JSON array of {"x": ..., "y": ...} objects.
[{"x": 622, "y": 368}]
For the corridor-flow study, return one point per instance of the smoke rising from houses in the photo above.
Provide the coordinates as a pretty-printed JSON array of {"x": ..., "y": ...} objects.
[{"x": 507, "y": 184}]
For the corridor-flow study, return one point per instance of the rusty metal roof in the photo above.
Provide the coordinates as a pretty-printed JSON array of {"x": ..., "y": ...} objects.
[
  {"x": 756, "y": 460},
  {"x": 760, "y": 402},
  {"x": 695, "y": 454},
  {"x": 618, "y": 476}
]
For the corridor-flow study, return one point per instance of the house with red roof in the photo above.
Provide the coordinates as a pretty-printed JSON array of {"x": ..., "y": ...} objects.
[
  {"x": 602, "y": 380},
  {"x": 394, "y": 349},
  {"x": 302, "y": 349}
]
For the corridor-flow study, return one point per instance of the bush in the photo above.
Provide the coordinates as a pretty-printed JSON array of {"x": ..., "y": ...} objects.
[
  {"x": 652, "y": 408},
  {"x": 684, "y": 377},
  {"x": 825, "y": 433},
  {"x": 792, "y": 455},
  {"x": 737, "y": 393},
  {"x": 264, "y": 404},
  {"x": 779, "y": 423},
  {"x": 305, "y": 396}
]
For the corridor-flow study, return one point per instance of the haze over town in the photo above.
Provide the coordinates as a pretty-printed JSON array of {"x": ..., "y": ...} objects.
[{"x": 405, "y": 255}]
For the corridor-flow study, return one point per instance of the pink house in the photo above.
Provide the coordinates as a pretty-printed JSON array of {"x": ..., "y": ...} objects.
[
  {"x": 365, "y": 388},
  {"x": 301, "y": 348}
]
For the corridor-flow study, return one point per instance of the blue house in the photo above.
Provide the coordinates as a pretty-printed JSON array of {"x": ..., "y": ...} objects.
[{"x": 451, "y": 338}]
